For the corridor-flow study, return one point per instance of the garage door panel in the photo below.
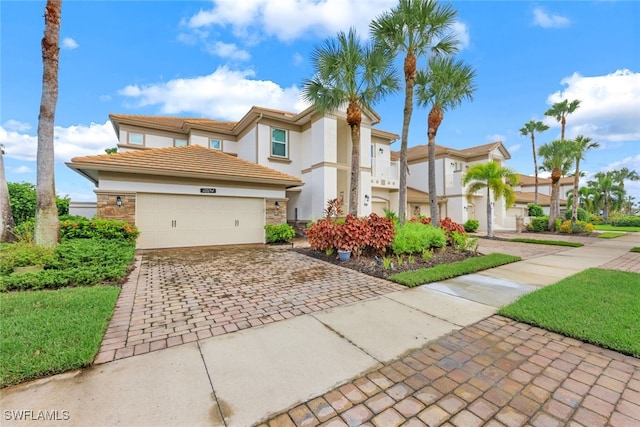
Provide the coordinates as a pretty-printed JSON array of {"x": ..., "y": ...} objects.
[{"x": 178, "y": 220}]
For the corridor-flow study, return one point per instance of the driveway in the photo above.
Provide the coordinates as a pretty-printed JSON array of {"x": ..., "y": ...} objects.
[{"x": 179, "y": 296}]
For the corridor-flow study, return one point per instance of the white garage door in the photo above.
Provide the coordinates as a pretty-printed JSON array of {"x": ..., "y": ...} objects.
[{"x": 167, "y": 220}]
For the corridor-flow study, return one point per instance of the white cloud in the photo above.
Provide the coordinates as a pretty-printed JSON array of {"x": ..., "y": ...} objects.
[
  {"x": 609, "y": 108},
  {"x": 545, "y": 20},
  {"x": 514, "y": 148},
  {"x": 462, "y": 34},
  {"x": 224, "y": 94},
  {"x": 69, "y": 44},
  {"x": 298, "y": 59},
  {"x": 495, "y": 137},
  {"x": 16, "y": 126},
  {"x": 21, "y": 169},
  {"x": 69, "y": 142},
  {"x": 228, "y": 50}
]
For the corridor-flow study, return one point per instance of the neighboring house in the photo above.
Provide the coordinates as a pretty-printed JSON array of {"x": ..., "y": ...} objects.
[
  {"x": 525, "y": 194},
  {"x": 453, "y": 202},
  {"x": 192, "y": 182}
]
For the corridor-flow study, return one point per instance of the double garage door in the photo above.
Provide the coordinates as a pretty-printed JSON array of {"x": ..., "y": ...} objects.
[{"x": 167, "y": 220}]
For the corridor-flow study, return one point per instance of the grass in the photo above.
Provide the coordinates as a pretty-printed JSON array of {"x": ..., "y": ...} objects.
[
  {"x": 608, "y": 227},
  {"x": 447, "y": 271},
  {"x": 596, "y": 306},
  {"x": 610, "y": 235},
  {"x": 636, "y": 249},
  {"x": 48, "y": 332},
  {"x": 547, "y": 242}
]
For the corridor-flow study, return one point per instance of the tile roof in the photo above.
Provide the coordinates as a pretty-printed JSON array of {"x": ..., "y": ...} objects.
[
  {"x": 175, "y": 123},
  {"x": 529, "y": 197},
  {"x": 188, "y": 161},
  {"x": 414, "y": 194},
  {"x": 526, "y": 180},
  {"x": 422, "y": 151}
]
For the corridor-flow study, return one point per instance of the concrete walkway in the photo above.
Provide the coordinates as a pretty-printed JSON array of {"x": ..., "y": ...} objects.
[{"x": 424, "y": 356}]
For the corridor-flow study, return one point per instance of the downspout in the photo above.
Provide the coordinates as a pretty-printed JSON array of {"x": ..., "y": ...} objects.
[{"x": 444, "y": 187}]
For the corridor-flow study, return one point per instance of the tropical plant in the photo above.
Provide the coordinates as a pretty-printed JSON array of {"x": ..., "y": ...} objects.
[
  {"x": 348, "y": 72},
  {"x": 471, "y": 226},
  {"x": 493, "y": 177},
  {"x": 535, "y": 210},
  {"x": 530, "y": 128},
  {"x": 6, "y": 216},
  {"x": 418, "y": 28},
  {"x": 47, "y": 227},
  {"x": 279, "y": 233},
  {"x": 581, "y": 145},
  {"x": 622, "y": 175},
  {"x": 558, "y": 159},
  {"x": 443, "y": 86},
  {"x": 23, "y": 200},
  {"x": 560, "y": 111},
  {"x": 607, "y": 190}
]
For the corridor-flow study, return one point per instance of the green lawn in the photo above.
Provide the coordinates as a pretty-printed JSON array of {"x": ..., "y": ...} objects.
[
  {"x": 447, "y": 271},
  {"x": 607, "y": 227},
  {"x": 610, "y": 235},
  {"x": 48, "y": 332},
  {"x": 547, "y": 242},
  {"x": 636, "y": 249},
  {"x": 597, "y": 306}
]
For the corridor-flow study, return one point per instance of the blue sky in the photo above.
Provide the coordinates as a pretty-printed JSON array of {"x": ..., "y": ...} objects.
[{"x": 216, "y": 59}]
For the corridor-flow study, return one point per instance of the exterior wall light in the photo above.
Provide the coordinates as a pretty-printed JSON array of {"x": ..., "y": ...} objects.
[{"x": 118, "y": 200}]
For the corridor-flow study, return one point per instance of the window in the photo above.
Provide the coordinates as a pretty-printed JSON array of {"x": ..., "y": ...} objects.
[
  {"x": 278, "y": 143},
  {"x": 136, "y": 138},
  {"x": 180, "y": 142},
  {"x": 215, "y": 144}
]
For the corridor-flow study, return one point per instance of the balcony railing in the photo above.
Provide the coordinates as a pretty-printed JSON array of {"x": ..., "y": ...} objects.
[{"x": 381, "y": 168}]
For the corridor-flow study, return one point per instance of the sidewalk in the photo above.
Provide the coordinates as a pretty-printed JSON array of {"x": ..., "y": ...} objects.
[{"x": 406, "y": 351}]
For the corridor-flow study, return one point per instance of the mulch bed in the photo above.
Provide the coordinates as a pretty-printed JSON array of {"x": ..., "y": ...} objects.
[{"x": 367, "y": 264}]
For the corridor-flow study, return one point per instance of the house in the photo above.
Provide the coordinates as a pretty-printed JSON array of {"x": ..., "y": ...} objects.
[
  {"x": 453, "y": 202},
  {"x": 525, "y": 194},
  {"x": 194, "y": 181}
]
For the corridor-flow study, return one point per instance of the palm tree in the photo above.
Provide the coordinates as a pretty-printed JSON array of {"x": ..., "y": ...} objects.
[
  {"x": 586, "y": 199},
  {"x": 581, "y": 145},
  {"x": 350, "y": 73},
  {"x": 558, "y": 159},
  {"x": 530, "y": 128},
  {"x": 611, "y": 193},
  {"x": 560, "y": 110},
  {"x": 6, "y": 216},
  {"x": 624, "y": 174},
  {"x": 417, "y": 28},
  {"x": 493, "y": 177},
  {"x": 47, "y": 226},
  {"x": 443, "y": 86}
]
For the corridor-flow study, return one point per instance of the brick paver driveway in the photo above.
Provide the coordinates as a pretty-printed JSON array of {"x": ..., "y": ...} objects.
[{"x": 181, "y": 295}]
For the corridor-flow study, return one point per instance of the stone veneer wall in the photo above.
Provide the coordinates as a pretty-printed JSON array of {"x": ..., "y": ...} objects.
[
  {"x": 108, "y": 209},
  {"x": 276, "y": 215}
]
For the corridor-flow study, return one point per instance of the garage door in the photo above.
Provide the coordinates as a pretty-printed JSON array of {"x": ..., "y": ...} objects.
[{"x": 167, "y": 221}]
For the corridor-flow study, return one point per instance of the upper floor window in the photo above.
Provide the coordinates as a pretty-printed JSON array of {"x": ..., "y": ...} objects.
[
  {"x": 279, "y": 143},
  {"x": 215, "y": 144},
  {"x": 136, "y": 138},
  {"x": 180, "y": 142}
]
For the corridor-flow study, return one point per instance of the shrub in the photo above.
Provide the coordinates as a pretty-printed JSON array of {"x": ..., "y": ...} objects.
[
  {"x": 596, "y": 218},
  {"x": 24, "y": 254},
  {"x": 353, "y": 235},
  {"x": 24, "y": 231},
  {"x": 535, "y": 210},
  {"x": 582, "y": 214},
  {"x": 471, "y": 226},
  {"x": 322, "y": 234},
  {"x": 580, "y": 227},
  {"x": 83, "y": 228},
  {"x": 22, "y": 198},
  {"x": 625, "y": 221},
  {"x": 463, "y": 242},
  {"x": 414, "y": 237},
  {"x": 538, "y": 224},
  {"x": 279, "y": 233},
  {"x": 422, "y": 219},
  {"x": 382, "y": 232},
  {"x": 449, "y": 227},
  {"x": 77, "y": 262}
]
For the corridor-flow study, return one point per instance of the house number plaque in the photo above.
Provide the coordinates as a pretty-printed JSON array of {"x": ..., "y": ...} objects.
[{"x": 208, "y": 190}]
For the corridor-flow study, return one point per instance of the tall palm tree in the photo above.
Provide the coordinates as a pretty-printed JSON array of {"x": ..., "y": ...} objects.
[
  {"x": 443, "y": 86},
  {"x": 581, "y": 145},
  {"x": 347, "y": 72},
  {"x": 624, "y": 174},
  {"x": 418, "y": 28},
  {"x": 6, "y": 216},
  {"x": 493, "y": 177},
  {"x": 560, "y": 110},
  {"x": 47, "y": 226},
  {"x": 558, "y": 158},
  {"x": 530, "y": 128},
  {"x": 586, "y": 199}
]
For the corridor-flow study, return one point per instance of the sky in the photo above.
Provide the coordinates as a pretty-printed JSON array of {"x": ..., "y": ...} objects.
[{"x": 216, "y": 59}]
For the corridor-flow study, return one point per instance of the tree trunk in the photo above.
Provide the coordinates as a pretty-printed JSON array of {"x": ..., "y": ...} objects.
[
  {"x": 563, "y": 123},
  {"x": 554, "y": 208},
  {"x": 354, "y": 118},
  {"x": 535, "y": 167},
  {"x": 47, "y": 226},
  {"x": 576, "y": 179},
  {"x": 489, "y": 213},
  {"x": 434, "y": 120},
  {"x": 409, "y": 77},
  {"x": 6, "y": 216}
]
